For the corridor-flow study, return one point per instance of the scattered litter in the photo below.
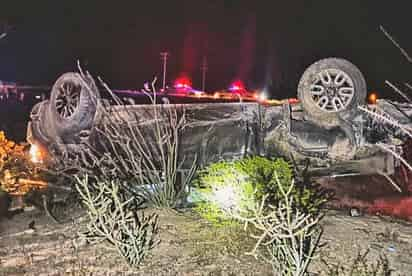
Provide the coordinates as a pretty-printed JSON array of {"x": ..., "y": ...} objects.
[
  {"x": 29, "y": 208},
  {"x": 391, "y": 248},
  {"x": 354, "y": 212},
  {"x": 28, "y": 231}
]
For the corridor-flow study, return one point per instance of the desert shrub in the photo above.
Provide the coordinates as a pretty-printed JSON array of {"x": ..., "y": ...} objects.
[
  {"x": 286, "y": 237},
  {"x": 114, "y": 218},
  {"x": 143, "y": 157},
  {"x": 223, "y": 187},
  {"x": 240, "y": 184},
  {"x": 267, "y": 174},
  {"x": 282, "y": 216},
  {"x": 212, "y": 213}
]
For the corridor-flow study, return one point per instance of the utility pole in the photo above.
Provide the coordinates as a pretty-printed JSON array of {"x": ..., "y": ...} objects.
[
  {"x": 204, "y": 69},
  {"x": 163, "y": 56}
]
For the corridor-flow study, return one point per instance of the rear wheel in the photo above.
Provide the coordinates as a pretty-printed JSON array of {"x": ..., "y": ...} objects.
[
  {"x": 330, "y": 90},
  {"x": 73, "y": 105}
]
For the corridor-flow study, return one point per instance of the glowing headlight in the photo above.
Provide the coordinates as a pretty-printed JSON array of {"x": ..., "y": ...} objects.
[
  {"x": 226, "y": 197},
  {"x": 35, "y": 154},
  {"x": 263, "y": 96}
]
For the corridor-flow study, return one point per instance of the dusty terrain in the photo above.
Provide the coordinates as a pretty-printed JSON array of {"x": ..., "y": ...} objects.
[{"x": 189, "y": 246}]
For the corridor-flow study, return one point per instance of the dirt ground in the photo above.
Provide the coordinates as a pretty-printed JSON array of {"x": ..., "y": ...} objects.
[{"x": 189, "y": 246}]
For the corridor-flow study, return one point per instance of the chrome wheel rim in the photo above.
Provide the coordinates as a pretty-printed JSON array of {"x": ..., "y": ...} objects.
[
  {"x": 332, "y": 90},
  {"x": 68, "y": 99}
]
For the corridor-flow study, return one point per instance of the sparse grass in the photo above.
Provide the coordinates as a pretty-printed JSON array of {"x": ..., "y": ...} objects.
[
  {"x": 388, "y": 235},
  {"x": 209, "y": 241},
  {"x": 360, "y": 266},
  {"x": 189, "y": 245}
]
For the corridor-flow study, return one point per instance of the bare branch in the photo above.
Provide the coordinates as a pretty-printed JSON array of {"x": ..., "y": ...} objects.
[
  {"x": 140, "y": 149},
  {"x": 398, "y": 91},
  {"x": 383, "y": 117},
  {"x": 391, "y": 181},
  {"x": 290, "y": 236},
  {"x": 408, "y": 85},
  {"x": 395, "y": 154},
  {"x": 394, "y": 42}
]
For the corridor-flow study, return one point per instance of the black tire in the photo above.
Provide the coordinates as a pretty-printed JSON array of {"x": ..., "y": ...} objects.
[
  {"x": 73, "y": 104},
  {"x": 39, "y": 127},
  {"x": 330, "y": 90}
]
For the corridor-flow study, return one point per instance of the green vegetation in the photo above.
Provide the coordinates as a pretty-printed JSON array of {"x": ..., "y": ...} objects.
[
  {"x": 281, "y": 214},
  {"x": 224, "y": 187},
  {"x": 237, "y": 186}
]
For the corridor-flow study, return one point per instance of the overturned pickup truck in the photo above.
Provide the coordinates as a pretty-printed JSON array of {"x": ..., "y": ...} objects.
[{"x": 330, "y": 126}]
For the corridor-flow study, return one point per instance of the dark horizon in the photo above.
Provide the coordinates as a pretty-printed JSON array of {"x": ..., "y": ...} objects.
[{"x": 264, "y": 45}]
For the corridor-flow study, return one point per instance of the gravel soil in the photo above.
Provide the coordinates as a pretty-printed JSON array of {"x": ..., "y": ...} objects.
[{"x": 31, "y": 243}]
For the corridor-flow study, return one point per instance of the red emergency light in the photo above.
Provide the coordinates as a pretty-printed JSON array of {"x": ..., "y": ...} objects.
[
  {"x": 237, "y": 86},
  {"x": 183, "y": 83}
]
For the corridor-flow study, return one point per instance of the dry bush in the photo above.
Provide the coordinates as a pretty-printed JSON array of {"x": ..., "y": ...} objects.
[
  {"x": 360, "y": 266},
  {"x": 391, "y": 126},
  {"x": 288, "y": 236},
  {"x": 115, "y": 219},
  {"x": 142, "y": 155},
  {"x": 127, "y": 160}
]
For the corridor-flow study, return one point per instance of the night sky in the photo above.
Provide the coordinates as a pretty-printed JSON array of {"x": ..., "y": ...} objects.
[{"x": 268, "y": 44}]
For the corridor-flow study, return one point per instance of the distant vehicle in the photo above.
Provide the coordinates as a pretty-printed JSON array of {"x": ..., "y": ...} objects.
[
  {"x": 238, "y": 91},
  {"x": 7, "y": 88},
  {"x": 24, "y": 93},
  {"x": 323, "y": 125},
  {"x": 183, "y": 87}
]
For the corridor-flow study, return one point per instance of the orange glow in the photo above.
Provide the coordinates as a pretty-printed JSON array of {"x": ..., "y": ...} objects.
[
  {"x": 22, "y": 186},
  {"x": 36, "y": 154},
  {"x": 272, "y": 102},
  {"x": 372, "y": 98}
]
